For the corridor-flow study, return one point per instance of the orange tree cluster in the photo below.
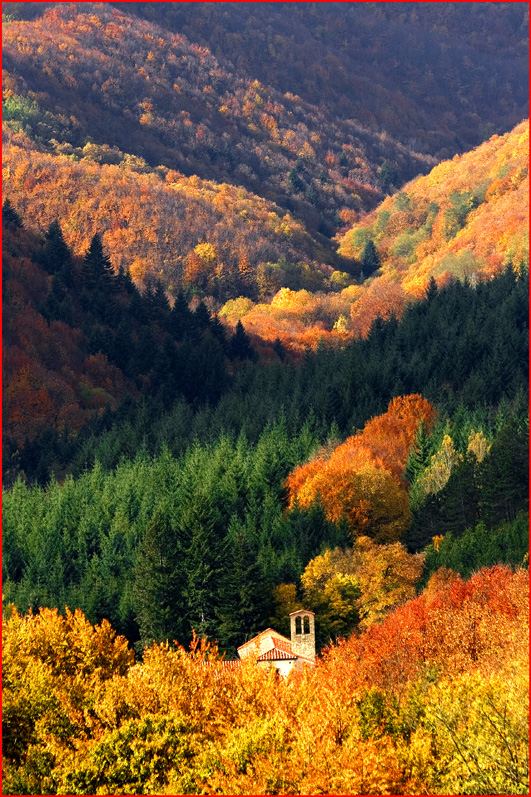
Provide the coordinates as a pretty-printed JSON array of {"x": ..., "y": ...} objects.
[
  {"x": 189, "y": 232},
  {"x": 361, "y": 481}
]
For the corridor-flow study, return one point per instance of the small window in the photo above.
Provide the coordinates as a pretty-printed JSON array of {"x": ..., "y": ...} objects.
[
  {"x": 298, "y": 625},
  {"x": 306, "y": 625}
]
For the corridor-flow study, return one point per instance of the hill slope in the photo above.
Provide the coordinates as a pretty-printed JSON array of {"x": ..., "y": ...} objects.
[
  {"x": 109, "y": 79},
  {"x": 469, "y": 218},
  {"x": 152, "y": 221},
  {"x": 434, "y": 76}
]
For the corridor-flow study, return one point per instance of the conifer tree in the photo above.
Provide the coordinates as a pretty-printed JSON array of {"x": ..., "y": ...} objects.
[
  {"x": 279, "y": 349},
  {"x": 240, "y": 345},
  {"x": 181, "y": 316},
  {"x": 201, "y": 528},
  {"x": 10, "y": 215},
  {"x": 459, "y": 498},
  {"x": 419, "y": 455},
  {"x": 158, "y": 581},
  {"x": 217, "y": 330},
  {"x": 432, "y": 290},
  {"x": 161, "y": 304},
  {"x": 58, "y": 304},
  {"x": 201, "y": 317},
  {"x": 504, "y": 475},
  {"x": 56, "y": 257},
  {"x": 244, "y": 598},
  {"x": 370, "y": 259},
  {"x": 97, "y": 269}
]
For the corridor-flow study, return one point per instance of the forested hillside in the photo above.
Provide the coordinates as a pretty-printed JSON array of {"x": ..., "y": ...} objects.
[
  {"x": 196, "y": 173},
  {"x": 467, "y": 219},
  {"x": 265, "y": 351},
  {"x": 103, "y": 78},
  {"x": 437, "y": 78},
  {"x": 191, "y": 494}
]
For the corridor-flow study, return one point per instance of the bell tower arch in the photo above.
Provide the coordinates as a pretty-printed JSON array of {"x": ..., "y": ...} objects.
[{"x": 303, "y": 633}]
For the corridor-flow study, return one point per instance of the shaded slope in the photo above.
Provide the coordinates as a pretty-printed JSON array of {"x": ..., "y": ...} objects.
[
  {"x": 109, "y": 79},
  {"x": 435, "y": 76}
]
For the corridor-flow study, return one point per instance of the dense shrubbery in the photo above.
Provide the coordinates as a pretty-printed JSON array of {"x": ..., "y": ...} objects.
[{"x": 433, "y": 700}]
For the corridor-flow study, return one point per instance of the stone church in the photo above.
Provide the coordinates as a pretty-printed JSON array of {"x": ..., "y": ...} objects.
[{"x": 270, "y": 649}]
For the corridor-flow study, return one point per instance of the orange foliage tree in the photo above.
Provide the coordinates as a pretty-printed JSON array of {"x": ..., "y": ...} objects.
[{"x": 361, "y": 480}]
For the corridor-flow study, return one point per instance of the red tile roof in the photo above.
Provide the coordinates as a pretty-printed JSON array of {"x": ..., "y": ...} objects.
[
  {"x": 282, "y": 644},
  {"x": 231, "y": 664},
  {"x": 227, "y": 663},
  {"x": 276, "y": 655},
  {"x": 280, "y": 647}
]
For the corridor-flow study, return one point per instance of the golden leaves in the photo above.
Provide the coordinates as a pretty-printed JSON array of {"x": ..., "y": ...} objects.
[
  {"x": 441, "y": 466},
  {"x": 446, "y": 672}
]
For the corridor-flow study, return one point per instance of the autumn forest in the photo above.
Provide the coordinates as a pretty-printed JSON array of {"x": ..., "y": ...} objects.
[{"x": 265, "y": 274}]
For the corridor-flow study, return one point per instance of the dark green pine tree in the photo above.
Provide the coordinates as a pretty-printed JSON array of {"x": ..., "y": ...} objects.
[
  {"x": 161, "y": 305},
  {"x": 279, "y": 349},
  {"x": 309, "y": 531},
  {"x": 148, "y": 301},
  {"x": 504, "y": 475},
  {"x": 56, "y": 257},
  {"x": 419, "y": 455},
  {"x": 97, "y": 270},
  {"x": 58, "y": 304},
  {"x": 156, "y": 304},
  {"x": 201, "y": 526},
  {"x": 426, "y": 524},
  {"x": 10, "y": 215},
  {"x": 201, "y": 317},
  {"x": 217, "y": 330},
  {"x": 370, "y": 259},
  {"x": 240, "y": 345},
  {"x": 432, "y": 291},
  {"x": 125, "y": 282},
  {"x": 244, "y": 598},
  {"x": 137, "y": 310},
  {"x": 460, "y": 498},
  {"x": 181, "y": 318},
  {"x": 157, "y": 583},
  {"x": 99, "y": 285}
]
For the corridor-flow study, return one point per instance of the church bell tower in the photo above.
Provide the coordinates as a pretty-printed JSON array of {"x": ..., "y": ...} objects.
[{"x": 303, "y": 633}]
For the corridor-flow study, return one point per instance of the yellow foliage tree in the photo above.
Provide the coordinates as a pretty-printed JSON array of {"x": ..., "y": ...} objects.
[{"x": 441, "y": 465}]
